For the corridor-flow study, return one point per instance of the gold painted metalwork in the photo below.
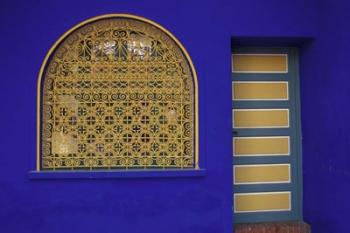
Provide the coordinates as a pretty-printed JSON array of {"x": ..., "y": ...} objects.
[{"x": 119, "y": 92}]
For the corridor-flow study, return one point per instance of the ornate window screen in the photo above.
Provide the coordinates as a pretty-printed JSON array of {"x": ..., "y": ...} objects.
[{"x": 117, "y": 92}]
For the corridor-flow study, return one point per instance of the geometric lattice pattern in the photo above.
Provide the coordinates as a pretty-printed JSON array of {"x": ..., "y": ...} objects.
[{"x": 118, "y": 93}]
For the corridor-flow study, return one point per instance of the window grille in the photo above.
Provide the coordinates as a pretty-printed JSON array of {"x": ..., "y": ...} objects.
[{"x": 118, "y": 93}]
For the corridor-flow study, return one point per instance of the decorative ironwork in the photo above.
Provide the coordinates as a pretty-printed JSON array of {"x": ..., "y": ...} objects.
[{"x": 118, "y": 93}]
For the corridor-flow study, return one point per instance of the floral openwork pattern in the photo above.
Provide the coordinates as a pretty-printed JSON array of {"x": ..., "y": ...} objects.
[{"x": 118, "y": 93}]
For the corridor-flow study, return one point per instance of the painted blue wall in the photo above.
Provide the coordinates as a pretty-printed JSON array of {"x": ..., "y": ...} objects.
[
  {"x": 325, "y": 94},
  {"x": 201, "y": 204}
]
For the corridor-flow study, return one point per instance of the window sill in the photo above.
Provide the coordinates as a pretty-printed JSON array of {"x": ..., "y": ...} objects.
[{"x": 108, "y": 174}]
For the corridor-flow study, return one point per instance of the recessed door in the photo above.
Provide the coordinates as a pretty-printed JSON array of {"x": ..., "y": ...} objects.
[{"x": 266, "y": 135}]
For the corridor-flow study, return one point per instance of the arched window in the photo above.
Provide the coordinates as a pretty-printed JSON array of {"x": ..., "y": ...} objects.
[{"x": 117, "y": 92}]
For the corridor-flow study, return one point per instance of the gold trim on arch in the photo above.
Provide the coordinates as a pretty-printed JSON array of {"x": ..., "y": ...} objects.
[{"x": 106, "y": 16}]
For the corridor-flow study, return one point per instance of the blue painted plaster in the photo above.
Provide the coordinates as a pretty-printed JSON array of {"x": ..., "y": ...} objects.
[
  {"x": 325, "y": 95},
  {"x": 186, "y": 204}
]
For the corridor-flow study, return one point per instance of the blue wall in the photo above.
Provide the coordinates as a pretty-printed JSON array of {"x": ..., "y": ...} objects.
[
  {"x": 196, "y": 205},
  {"x": 325, "y": 94}
]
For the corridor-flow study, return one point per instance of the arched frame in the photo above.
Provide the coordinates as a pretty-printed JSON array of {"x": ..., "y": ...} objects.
[{"x": 91, "y": 20}]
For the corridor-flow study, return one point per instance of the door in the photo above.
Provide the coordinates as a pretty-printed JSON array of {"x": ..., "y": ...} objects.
[{"x": 266, "y": 135}]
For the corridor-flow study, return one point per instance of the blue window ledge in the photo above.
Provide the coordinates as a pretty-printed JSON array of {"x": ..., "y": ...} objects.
[{"x": 110, "y": 174}]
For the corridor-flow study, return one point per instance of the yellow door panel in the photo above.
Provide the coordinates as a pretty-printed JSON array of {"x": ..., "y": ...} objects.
[
  {"x": 260, "y": 90},
  {"x": 261, "y": 118},
  {"x": 260, "y": 146},
  {"x": 267, "y": 173},
  {"x": 262, "y": 202},
  {"x": 260, "y": 63}
]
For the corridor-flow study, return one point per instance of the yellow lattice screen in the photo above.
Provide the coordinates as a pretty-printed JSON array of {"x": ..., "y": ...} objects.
[{"x": 118, "y": 93}]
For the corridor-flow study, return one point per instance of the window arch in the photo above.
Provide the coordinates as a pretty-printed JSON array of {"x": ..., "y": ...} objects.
[{"x": 117, "y": 92}]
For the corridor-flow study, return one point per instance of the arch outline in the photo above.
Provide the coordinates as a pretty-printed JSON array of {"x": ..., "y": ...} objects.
[{"x": 106, "y": 16}]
